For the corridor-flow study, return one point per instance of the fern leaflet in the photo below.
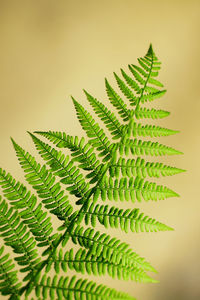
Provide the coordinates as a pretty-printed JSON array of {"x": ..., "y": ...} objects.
[
  {"x": 43, "y": 181},
  {"x": 32, "y": 214},
  {"x": 125, "y": 219},
  {"x": 15, "y": 234},
  {"x": 63, "y": 287},
  {"x": 9, "y": 283}
]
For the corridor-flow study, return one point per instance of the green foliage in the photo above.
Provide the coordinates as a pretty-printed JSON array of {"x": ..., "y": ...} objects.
[
  {"x": 66, "y": 288},
  {"x": 9, "y": 284},
  {"x": 16, "y": 235},
  {"x": 125, "y": 219},
  {"x": 84, "y": 261},
  {"x": 94, "y": 169}
]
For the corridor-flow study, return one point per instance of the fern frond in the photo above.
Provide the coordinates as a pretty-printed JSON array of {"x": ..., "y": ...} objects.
[
  {"x": 139, "y": 147},
  {"x": 111, "y": 249},
  {"x": 151, "y": 96},
  {"x": 9, "y": 283},
  {"x": 144, "y": 112},
  {"x": 62, "y": 166},
  {"x": 98, "y": 139},
  {"x": 141, "y": 168},
  {"x": 125, "y": 89},
  {"x": 132, "y": 189},
  {"x": 132, "y": 83},
  {"x": 106, "y": 116},
  {"x": 32, "y": 214},
  {"x": 144, "y": 75},
  {"x": 43, "y": 182},
  {"x": 16, "y": 235},
  {"x": 127, "y": 219},
  {"x": 155, "y": 82},
  {"x": 82, "y": 151},
  {"x": 107, "y": 174},
  {"x": 84, "y": 262},
  {"x": 66, "y": 288},
  {"x": 150, "y": 130},
  {"x": 137, "y": 72},
  {"x": 117, "y": 102}
]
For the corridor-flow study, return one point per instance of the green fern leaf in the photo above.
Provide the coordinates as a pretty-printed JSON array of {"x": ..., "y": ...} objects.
[
  {"x": 67, "y": 288},
  {"x": 151, "y": 96},
  {"x": 144, "y": 75},
  {"x": 16, "y": 235},
  {"x": 140, "y": 147},
  {"x": 43, "y": 182},
  {"x": 150, "y": 113},
  {"x": 24, "y": 225},
  {"x": 62, "y": 167},
  {"x": 32, "y": 214},
  {"x": 131, "y": 190},
  {"x": 117, "y": 102},
  {"x": 125, "y": 219},
  {"x": 141, "y": 168},
  {"x": 155, "y": 82},
  {"x": 106, "y": 116},
  {"x": 137, "y": 72},
  {"x": 132, "y": 83},
  {"x": 84, "y": 262},
  {"x": 111, "y": 249},
  {"x": 150, "y": 130},
  {"x": 97, "y": 136},
  {"x": 82, "y": 152},
  {"x": 125, "y": 90},
  {"x": 9, "y": 283}
]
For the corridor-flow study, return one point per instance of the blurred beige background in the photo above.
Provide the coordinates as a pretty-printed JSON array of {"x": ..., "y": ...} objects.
[{"x": 53, "y": 49}]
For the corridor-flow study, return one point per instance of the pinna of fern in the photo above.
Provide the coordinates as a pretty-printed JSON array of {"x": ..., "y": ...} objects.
[{"x": 93, "y": 170}]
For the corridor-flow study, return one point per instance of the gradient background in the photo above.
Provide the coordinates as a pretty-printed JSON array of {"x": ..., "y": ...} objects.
[{"x": 52, "y": 49}]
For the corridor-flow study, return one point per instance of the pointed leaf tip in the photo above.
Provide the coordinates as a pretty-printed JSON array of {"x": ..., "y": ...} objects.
[
  {"x": 85, "y": 92},
  {"x": 150, "y": 50},
  {"x": 31, "y": 134},
  {"x": 74, "y": 101},
  {"x": 13, "y": 142}
]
